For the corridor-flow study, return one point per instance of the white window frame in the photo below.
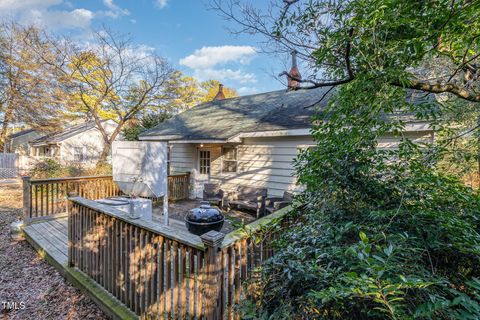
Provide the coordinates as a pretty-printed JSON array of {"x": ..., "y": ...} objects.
[
  {"x": 235, "y": 160},
  {"x": 205, "y": 159},
  {"x": 83, "y": 156}
]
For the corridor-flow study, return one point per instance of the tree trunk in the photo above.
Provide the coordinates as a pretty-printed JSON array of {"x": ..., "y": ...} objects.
[
  {"x": 108, "y": 144},
  {"x": 103, "y": 156},
  {"x": 6, "y": 121}
]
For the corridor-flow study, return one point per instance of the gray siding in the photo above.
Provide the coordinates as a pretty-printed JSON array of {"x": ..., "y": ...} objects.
[
  {"x": 262, "y": 162},
  {"x": 266, "y": 163},
  {"x": 182, "y": 157}
]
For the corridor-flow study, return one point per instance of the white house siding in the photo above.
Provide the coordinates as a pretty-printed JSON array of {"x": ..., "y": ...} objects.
[
  {"x": 90, "y": 140},
  {"x": 262, "y": 162},
  {"x": 182, "y": 157},
  {"x": 392, "y": 142},
  {"x": 265, "y": 163}
]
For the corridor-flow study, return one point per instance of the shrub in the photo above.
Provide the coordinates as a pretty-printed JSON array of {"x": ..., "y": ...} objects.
[
  {"x": 73, "y": 170},
  {"x": 47, "y": 168},
  {"x": 133, "y": 129},
  {"x": 381, "y": 234}
]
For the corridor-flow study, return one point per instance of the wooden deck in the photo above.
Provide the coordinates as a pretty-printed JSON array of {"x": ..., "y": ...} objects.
[
  {"x": 50, "y": 240},
  {"x": 52, "y": 237},
  {"x": 185, "y": 261}
]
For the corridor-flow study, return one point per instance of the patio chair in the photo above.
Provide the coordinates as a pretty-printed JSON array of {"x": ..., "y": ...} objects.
[
  {"x": 275, "y": 203},
  {"x": 249, "y": 198},
  {"x": 213, "y": 194}
]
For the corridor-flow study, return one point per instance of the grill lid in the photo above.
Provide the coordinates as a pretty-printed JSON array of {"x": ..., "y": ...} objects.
[{"x": 205, "y": 213}]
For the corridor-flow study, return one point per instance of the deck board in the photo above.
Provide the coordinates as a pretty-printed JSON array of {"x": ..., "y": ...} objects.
[
  {"x": 51, "y": 239},
  {"x": 62, "y": 227}
]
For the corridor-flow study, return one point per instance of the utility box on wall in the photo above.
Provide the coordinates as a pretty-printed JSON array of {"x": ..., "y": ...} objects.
[{"x": 140, "y": 167}]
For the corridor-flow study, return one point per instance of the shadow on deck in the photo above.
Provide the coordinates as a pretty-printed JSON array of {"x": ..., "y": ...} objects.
[
  {"x": 50, "y": 239},
  {"x": 52, "y": 235}
]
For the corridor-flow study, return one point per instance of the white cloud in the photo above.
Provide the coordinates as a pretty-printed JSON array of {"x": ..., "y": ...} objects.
[
  {"x": 114, "y": 10},
  {"x": 45, "y": 13},
  {"x": 208, "y": 57},
  {"x": 13, "y": 6},
  {"x": 161, "y": 3},
  {"x": 225, "y": 74},
  {"x": 57, "y": 19},
  {"x": 56, "y": 14},
  {"x": 210, "y": 63}
]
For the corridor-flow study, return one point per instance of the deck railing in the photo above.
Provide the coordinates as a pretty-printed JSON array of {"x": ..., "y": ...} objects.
[
  {"x": 178, "y": 186},
  {"x": 46, "y": 198},
  {"x": 164, "y": 273}
]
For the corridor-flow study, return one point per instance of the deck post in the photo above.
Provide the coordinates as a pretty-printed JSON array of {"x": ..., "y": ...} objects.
[
  {"x": 71, "y": 232},
  {"x": 26, "y": 200},
  {"x": 213, "y": 282}
]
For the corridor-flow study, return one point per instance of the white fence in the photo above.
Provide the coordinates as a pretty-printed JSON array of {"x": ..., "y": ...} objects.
[{"x": 8, "y": 165}]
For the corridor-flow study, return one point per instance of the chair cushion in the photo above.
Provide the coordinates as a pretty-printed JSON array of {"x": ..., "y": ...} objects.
[{"x": 211, "y": 190}]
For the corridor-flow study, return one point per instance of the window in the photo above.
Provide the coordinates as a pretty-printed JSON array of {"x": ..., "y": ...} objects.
[
  {"x": 204, "y": 162},
  {"x": 229, "y": 161},
  {"x": 78, "y": 154}
]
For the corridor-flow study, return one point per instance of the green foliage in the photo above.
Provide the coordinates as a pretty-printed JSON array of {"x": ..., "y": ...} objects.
[
  {"x": 382, "y": 233},
  {"x": 47, "y": 168},
  {"x": 385, "y": 234},
  {"x": 135, "y": 128}
]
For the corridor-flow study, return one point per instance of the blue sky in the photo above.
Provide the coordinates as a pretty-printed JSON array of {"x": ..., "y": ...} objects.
[{"x": 194, "y": 39}]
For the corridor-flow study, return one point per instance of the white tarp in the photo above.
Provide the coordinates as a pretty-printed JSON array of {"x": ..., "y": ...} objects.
[{"x": 140, "y": 167}]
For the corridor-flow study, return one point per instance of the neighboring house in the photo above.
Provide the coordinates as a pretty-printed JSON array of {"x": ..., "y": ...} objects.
[
  {"x": 250, "y": 140},
  {"x": 79, "y": 144},
  {"x": 19, "y": 142}
]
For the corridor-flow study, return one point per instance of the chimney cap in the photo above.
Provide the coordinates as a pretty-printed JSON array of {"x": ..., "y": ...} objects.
[{"x": 219, "y": 95}]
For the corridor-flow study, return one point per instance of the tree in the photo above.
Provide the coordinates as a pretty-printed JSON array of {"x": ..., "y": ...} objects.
[
  {"x": 31, "y": 91},
  {"x": 132, "y": 130},
  {"x": 210, "y": 90},
  {"x": 112, "y": 79},
  {"x": 183, "y": 92},
  {"x": 186, "y": 92},
  {"x": 377, "y": 234},
  {"x": 343, "y": 41}
]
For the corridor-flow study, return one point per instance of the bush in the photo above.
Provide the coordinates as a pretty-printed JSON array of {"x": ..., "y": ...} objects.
[
  {"x": 133, "y": 129},
  {"x": 74, "y": 170},
  {"x": 47, "y": 168},
  {"x": 380, "y": 234}
]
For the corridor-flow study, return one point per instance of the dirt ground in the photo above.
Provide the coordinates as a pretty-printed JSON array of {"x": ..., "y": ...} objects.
[{"x": 38, "y": 290}]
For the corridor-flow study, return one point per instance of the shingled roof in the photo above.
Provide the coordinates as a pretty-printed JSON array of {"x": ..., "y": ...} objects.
[
  {"x": 222, "y": 119},
  {"x": 65, "y": 134}
]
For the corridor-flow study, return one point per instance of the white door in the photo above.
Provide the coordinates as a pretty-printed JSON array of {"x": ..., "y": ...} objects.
[{"x": 204, "y": 166}]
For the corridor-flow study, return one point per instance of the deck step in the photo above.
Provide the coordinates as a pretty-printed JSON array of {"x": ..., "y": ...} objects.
[{"x": 50, "y": 240}]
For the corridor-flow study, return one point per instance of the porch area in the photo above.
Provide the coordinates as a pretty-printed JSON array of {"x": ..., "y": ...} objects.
[
  {"x": 52, "y": 234},
  {"x": 134, "y": 268}
]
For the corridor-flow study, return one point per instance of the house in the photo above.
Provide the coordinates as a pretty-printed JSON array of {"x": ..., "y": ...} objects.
[
  {"x": 79, "y": 144},
  {"x": 19, "y": 142},
  {"x": 252, "y": 140}
]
